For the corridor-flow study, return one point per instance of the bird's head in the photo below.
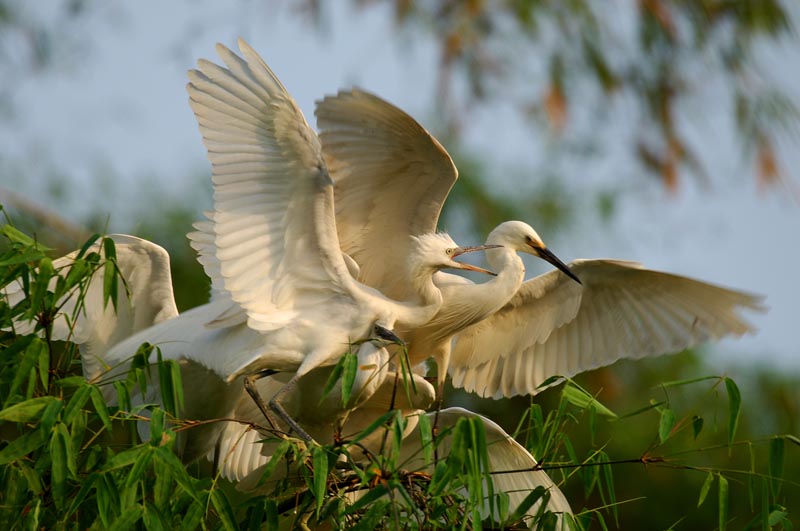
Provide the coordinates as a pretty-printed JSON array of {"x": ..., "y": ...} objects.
[
  {"x": 438, "y": 251},
  {"x": 520, "y": 237}
]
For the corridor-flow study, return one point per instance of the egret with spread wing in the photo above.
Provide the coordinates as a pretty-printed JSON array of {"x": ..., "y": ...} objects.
[
  {"x": 510, "y": 336},
  {"x": 290, "y": 302},
  {"x": 144, "y": 297}
]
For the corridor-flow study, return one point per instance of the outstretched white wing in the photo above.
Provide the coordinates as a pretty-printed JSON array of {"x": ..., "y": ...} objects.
[
  {"x": 392, "y": 178},
  {"x": 274, "y": 229},
  {"x": 144, "y": 297},
  {"x": 554, "y": 326},
  {"x": 514, "y": 470}
]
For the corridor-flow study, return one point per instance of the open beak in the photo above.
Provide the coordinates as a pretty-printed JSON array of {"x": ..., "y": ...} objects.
[
  {"x": 546, "y": 254},
  {"x": 469, "y": 267}
]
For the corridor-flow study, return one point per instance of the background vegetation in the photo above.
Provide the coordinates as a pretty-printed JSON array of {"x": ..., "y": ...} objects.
[{"x": 483, "y": 48}]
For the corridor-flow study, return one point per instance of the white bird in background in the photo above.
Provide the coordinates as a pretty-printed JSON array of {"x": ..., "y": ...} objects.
[
  {"x": 241, "y": 454},
  {"x": 144, "y": 298},
  {"x": 291, "y": 303},
  {"x": 392, "y": 178}
]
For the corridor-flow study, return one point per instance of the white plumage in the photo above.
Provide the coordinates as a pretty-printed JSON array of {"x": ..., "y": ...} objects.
[{"x": 509, "y": 336}]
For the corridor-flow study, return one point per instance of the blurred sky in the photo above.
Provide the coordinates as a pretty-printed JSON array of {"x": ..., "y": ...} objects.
[{"x": 114, "y": 104}]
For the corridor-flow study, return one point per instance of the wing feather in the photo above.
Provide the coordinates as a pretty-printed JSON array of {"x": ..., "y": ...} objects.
[
  {"x": 392, "y": 178},
  {"x": 561, "y": 328},
  {"x": 270, "y": 242}
]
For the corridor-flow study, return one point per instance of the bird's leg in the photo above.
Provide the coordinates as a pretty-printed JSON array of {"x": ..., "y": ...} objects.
[
  {"x": 250, "y": 386},
  {"x": 276, "y": 406}
]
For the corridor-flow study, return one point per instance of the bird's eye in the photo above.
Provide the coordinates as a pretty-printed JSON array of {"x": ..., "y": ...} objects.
[{"x": 450, "y": 251}]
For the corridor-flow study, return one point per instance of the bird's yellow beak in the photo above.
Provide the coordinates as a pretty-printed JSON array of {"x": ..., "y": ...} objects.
[
  {"x": 469, "y": 267},
  {"x": 546, "y": 254}
]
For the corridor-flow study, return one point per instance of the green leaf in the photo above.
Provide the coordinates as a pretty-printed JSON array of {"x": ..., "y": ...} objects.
[
  {"x": 776, "y": 517},
  {"x": 138, "y": 469},
  {"x": 110, "y": 279},
  {"x": 100, "y": 407},
  {"x": 171, "y": 461},
  {"x": 528, "y": 502},
  {"x": 697, "y": 425},
  {"x": 368, "y": 498},
  {"x": 334, "y": 377},
  {"x": 426, "y": 437},
  {"x": 666, "y": 424},
  {"x": 76, "y": 403},
  {"x": 156, "y": 426},
  {"x": 580, "y": 398},
  {"x": 676, "y": 383},
  {"x": 349, "y": 370},
  {"x": 776, "y": 453},
  {"x": 45, "y": 273},
  {"x": 734, "y": 408},
  {"x": 224, "y": 510},
  {"x": 25, "y": 257},
  {"x": 17, "y": 236},
  {"x": 705, "y": 488},
  {"x": 22, "y": 446},
  {"x": 26, "y": 411},
  {"x": 29, "y": 360},
  {"x": 44, "y": 367},
  {"x": 87, "y": 484},
  {"x": 723, "y": 502},
  {"x": 275, "y": 459},
  {"x": 319, "y": 462},
  {"x": 58, "y": 459},
  {"x": 129, "y": 516},
  {"x": 377, "y": 423}
]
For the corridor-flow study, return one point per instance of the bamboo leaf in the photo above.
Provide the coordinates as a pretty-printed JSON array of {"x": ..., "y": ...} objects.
[
  {"x": 697, "y": 425},
  {"x": 522, "y": 509},
  {"x": 58, "y": 471},
  {"x": 372, "y": 494},
  {"x": 100, "y": 407},
  {"x": 334, "y": 377},
  {"x": 26, "y": 411},
  {"x": 580, "y": 398},
  {"x": 776, "y": 454},
  {"x": 688, "y": 381},
  {"x": 40, "y": 287},
  {"x": 723, "y": 502},
  {"x": 705, "y": 488},
  {"x": 224, "y": 510},
  {"x": 349, "y": 370},
  {"x": 426, "y": 437},
  {"x": 22, "y": 446},
  {"x": 666, "y": 424},
  {"x": 156, "y": 426},
  {"x": 734, "y": 408},
  {"x": 319, "y": 461},
  {"x": 76, "y": 403},
  {"x": 110, "y": 279},
  {"x": 29, "y": 360}
]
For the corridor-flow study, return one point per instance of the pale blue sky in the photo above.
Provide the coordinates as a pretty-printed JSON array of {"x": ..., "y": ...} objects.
[{"x": 119, "y": 105}]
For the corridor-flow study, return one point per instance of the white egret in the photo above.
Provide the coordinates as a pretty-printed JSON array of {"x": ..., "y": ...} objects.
[
  {"x": 510, "y": 336},
  {"x": 144, "y": 297},
  {"x": 275, "y": 244}
]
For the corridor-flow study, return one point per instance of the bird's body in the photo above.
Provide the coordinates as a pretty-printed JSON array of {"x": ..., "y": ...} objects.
[
  {"x": 510, "y": 336},
  {"x": 286, "y": 300},
  {"x": 144, "y": 297}
]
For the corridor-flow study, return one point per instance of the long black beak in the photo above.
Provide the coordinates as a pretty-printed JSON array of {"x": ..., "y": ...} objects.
[{"x": 547, "y": 254}]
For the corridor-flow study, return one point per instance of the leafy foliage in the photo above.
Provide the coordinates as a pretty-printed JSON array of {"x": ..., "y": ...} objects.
[{"x": 75, "y": 454}]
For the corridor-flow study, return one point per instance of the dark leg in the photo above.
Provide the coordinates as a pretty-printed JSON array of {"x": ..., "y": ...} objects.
[
  {"x": 276, "y": 406},
  {"x": 250, "y": 386}
]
